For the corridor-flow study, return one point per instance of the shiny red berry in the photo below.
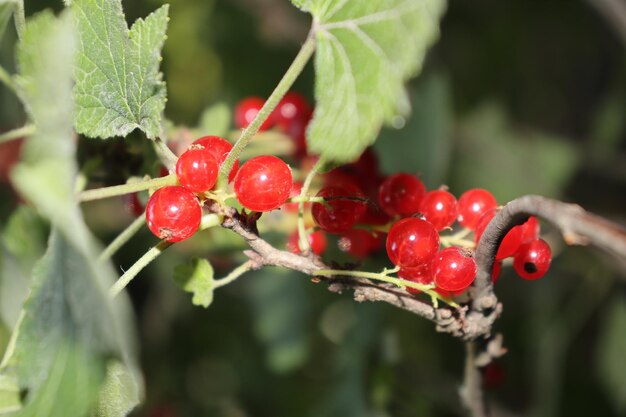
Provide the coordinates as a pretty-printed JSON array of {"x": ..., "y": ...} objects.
[
  {"x": 196, "y": 169},
  {"x": 511, "y": 242},
  {"x": 219, "y": 148},
  {"x": 173, "y": 213},
  {"x": 401, "y": 194},
  {"x": 247, "y": 109},
  {"x": 530, "y": 230},
  {"x": 473, "y": 204},
  {"x": 439, "y": 207},
  {"x": 263, "y": 183},
  {"x": 412, "y": 242},
  {"x": 317, "y": 241},
  {"x": 496, "y": 271},
  {"x": 532, "y": 260},
  {"x": 453, "y": 269},
  {"x": 359, "y": 243},
  {"x": 341, "y": 210}
]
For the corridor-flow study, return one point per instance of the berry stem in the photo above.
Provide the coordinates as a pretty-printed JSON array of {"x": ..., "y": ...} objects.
[
  {"x": 20, "y": 18},
  {"x": 122, "y": 238},
  {"x": 298, "y": 64},
  {"x": 210, "y": 220},
  {"x": 303, "y": 240},
  {"x": 384, "y": 276},
  {"x": 106, "y": 192},
  {"x": 140, "y": 264},
  {"x": 165, "y": 153},
  {"x": 17, "y": 133},
  {"x": 234, "y": 274},
  {"x": 307, "y": 199},
  {"x": 5, "y": 78}
]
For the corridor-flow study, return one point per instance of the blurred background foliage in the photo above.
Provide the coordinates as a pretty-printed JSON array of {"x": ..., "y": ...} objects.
[{"x": 518, "y": 97}]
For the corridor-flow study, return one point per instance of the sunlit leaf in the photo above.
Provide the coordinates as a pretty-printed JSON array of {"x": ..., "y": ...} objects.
[
  {"x": 119, "y": 394},
  {"x": 6, "y": 11},
  {"x": 196, "y": 278},
  {"x": 118, "y": 84},
  {"x": 366, "y": 50}
]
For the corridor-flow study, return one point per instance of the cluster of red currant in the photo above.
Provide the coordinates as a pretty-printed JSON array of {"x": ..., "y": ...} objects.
[{"x": 354, "y": 201}]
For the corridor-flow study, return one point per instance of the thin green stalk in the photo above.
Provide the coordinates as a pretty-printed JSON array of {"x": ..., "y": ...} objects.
[
  {"x": 279, "y": 92},
  {"x": 165, "y": 153},
  {"x": 6, "y": 79},
  {"x": 122, "y": 238},
  {"x": 141, "y": 263},
  {"x": 306, "y": 199},
  {"x": 20, "y": 18},
  {"x": 233, "y": 275},
  {"x": 133, "y": 187},
  {"x": 303, "y": 241},
  {"x": 18, "y": 133}
]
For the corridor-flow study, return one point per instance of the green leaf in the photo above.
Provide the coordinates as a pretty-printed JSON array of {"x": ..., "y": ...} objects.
[
  {"x": 119, "y": 394},
  {"x": 196, "y": 278},
  {"x": 118, "y": 84},
  {"x": 215, "y": 120},
  {"x": 6, "y": 11},
  {"x": 366, "y": 50},
  {"x": 69, "y": 328},
  {"x": 9, "y": 395},
  {"x": 610, "y": 353}
]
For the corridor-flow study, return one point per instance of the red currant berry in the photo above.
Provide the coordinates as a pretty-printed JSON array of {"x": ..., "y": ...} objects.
[
  {"x": 196, "y": 169},
  {"x": 132, "y": 204},
  {"x": 247, "y": 109},
  {"x": 532, "y": 260},
  {"x": 511, "y": 242},
  {"x": 421, "y": 275},
  {"x": 493, "y": 375},
  {"x": 341, "y": 209},
  {"x": 292, "y": 109},
  {"x": 317, "y": 240},
  {"x": 359, "y": 243},
  {"x": 412, "y": 242},
  {"x": 473, "y": 204},
  {"x": 401, "y": 194},
  {"x": 453, "y": 270},
  {"x": 439, "y": 208},
  {"x": 296, "y": 189},
  {"x": 530, "y": 230},
  {"x": 263, "y": 183},
  {"x": 173, "y": 213},
  {"x": 219, "y": 148}
]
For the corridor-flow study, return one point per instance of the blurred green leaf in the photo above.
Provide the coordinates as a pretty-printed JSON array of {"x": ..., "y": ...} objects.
[
  {"x": 118, "y": 84},
  {"x": 196, "y": 278},
  {"x": 24, "y": 235},
  {"x": 366, "y": 50},
  {"x": 6, "y": 11},
  {"x": 215, "y": 120},
  {"x": 9, "y": 395},
  {"x": 492, "y": 153},
  {"x": 119, "y": 394},
  {"x": 610, "y": 353},
  {"x": 69, "y": 325},
  {"x": 281, "y": 316},
  {"x": 423, "y": 146}
]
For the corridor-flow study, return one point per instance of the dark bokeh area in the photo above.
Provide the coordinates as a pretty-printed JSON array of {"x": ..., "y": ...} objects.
[{"x": 517, "y": 97}]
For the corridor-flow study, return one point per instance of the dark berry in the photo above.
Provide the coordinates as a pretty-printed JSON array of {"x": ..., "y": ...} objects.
[
  {"x": 473, "y": 204},
  {"x": 173, "y": 213},
  {"x": 317, "y": 241},
  {"x": 341, "y": 210},
  {"x": 401, "y": 194},
  {"x": 359, "y": 243},
  {"x": 263, "y": 183},
  {"x": 412, "y": 242},
  {"x": 532, "y": 260}
]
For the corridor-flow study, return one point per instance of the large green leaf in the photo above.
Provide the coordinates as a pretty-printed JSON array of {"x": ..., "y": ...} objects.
[
  {"x": 366, "y": 50},
  {"x": 118, "y": 84},
  {"x": 6, "y": 11}
]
